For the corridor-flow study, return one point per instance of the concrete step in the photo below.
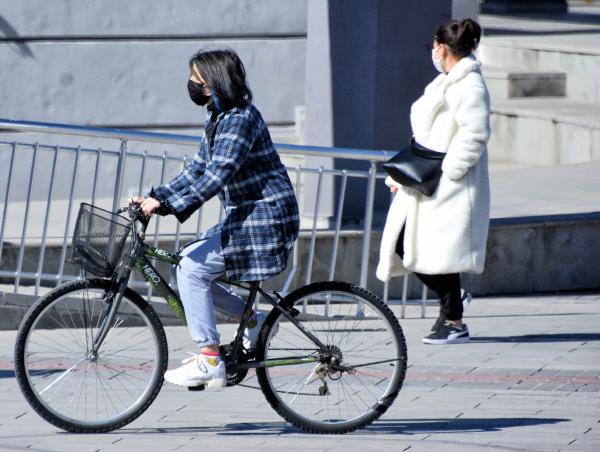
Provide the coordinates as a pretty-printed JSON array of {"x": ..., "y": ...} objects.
[
  {"x": 548, "y": 191},
  {"x": 544, "y": 131},
  {"x": 566, "y": 44},
  {"x": 581, "y": 66},
  {"x": 508, "y": 83}
]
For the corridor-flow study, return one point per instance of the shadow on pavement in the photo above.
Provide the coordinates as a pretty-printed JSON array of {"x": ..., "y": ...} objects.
[
  {"x": 241, "y": 428},
  {"x": 533, "y": 338},
  {"x": 465, "y": 425},
  {"x": 385, "y": 427},
  {"x": 552, "y": 314}
]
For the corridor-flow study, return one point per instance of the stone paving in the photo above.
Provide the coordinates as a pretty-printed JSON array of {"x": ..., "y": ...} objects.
[{"x": 529, "y": 380}]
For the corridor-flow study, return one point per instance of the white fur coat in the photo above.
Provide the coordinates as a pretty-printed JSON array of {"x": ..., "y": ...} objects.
[{"x": 447, "y": 232}]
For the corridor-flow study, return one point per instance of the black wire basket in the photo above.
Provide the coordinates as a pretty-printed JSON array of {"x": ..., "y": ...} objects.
[{"x": 99, "y": 240}]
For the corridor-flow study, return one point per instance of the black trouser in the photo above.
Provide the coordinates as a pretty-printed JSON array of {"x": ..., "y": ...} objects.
[{"x": 446, "y": 286}]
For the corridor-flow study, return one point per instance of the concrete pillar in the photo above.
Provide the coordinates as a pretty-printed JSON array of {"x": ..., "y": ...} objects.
[
  {"x": 380, "y": 64},
  {"x": 318, "y": 129},
  {"x": 523, "y": 6}
]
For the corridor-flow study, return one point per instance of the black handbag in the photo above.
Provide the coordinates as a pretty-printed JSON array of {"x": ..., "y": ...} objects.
[{"x": 416, "y": 167}]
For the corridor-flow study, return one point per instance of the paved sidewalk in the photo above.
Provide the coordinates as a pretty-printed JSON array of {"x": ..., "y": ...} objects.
[{"x": 528, "y": 381}]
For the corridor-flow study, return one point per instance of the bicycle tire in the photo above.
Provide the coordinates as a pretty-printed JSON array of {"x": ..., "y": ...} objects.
[
  {"x": 316, "y": 406},
  {"x": 53, "y": 333}
]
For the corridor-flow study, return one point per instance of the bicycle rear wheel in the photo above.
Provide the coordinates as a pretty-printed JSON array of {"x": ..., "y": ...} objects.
[
  {"x": 363, "y": 379},
  {"x": 75, "y": 389}
]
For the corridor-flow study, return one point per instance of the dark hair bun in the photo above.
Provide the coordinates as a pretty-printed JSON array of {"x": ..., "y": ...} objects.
[
  {"x": 461, "y": 36},
  {"x": 469, "y": 34}
]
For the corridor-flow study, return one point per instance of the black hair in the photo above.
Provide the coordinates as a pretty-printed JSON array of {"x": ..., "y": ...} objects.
[
  {"x": 224, "y": 73},
  {"x": 461, "y": 36}
]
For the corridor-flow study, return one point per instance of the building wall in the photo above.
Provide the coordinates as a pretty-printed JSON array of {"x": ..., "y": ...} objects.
[{"x": 119, "y": 63}]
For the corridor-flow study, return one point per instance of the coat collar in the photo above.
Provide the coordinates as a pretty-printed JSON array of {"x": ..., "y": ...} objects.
[
  {"x": 212, "y": 117},
  {"x": 460, "y": 70},
  {"x": 425, "y": 109}
]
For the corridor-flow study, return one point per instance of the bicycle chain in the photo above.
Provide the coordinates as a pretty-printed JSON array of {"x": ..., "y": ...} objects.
[
  {"x": 280, "y": 392},
  {"x": 284, "y": 392}
]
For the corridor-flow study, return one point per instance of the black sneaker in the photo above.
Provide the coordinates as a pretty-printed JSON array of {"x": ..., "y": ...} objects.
[
  {"x": 448, "y": 334},
  {"x": 465, "y": 298}
]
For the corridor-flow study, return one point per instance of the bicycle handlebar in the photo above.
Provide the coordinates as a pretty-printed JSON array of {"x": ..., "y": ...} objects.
[{"x": 135, "y": 214}]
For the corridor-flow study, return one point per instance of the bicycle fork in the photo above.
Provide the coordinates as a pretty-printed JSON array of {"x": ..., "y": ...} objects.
[{"x": 109, "y": 317}]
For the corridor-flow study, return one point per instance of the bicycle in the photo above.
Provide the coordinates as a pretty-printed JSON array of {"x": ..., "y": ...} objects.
[{"x": 90, "y": 355}]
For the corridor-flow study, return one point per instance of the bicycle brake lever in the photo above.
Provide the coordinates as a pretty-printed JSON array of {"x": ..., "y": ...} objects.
[{"x": 133, "y": 209}]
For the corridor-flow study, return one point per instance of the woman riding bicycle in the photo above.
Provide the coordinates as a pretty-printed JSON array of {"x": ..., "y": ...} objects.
[{"x": 237, "y": 161}]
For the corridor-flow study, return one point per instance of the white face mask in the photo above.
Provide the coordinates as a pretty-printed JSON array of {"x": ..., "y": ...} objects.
[{"x": 437, "y": 63}]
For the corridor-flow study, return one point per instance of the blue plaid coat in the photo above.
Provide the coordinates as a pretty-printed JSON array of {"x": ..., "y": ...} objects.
[{"x": 237, "y": 161}]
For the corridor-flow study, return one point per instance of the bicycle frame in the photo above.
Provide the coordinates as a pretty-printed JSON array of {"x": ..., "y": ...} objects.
[
  {"x": 143, "y": 264},
  {"x": 254, "y": 289},
  {"x": 138, "y": 259},
  {"x": 154, "y": 278}
]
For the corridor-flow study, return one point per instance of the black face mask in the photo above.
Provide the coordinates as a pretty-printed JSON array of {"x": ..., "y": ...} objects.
[{"x": 196, "y": 94}]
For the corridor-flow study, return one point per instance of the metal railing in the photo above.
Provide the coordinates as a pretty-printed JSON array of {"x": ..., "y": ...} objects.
[{"x": 99, "y": 174}]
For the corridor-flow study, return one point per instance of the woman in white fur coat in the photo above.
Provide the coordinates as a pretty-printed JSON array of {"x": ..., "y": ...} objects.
[{"x": 443, "y": 235}]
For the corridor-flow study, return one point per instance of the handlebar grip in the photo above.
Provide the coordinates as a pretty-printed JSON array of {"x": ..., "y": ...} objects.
[{"x": 134, "y": 210}]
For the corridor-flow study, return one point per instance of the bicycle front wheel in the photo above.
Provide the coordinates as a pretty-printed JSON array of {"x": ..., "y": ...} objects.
[
  {"x": 68, "y": 384},
  {"x": 349, "y": 383}
]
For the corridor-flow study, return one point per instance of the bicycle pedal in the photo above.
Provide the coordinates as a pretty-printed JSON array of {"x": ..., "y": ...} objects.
[
  {"x": 196, "y": 388},
  {"x": 324, "y": 390}
]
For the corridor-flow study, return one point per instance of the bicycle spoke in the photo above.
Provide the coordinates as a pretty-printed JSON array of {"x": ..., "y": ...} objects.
[
  {"x": 307, "y": 378},
  {"x": 53, "y": 348},
  {"x": 70, "y": 336},
  {"x": 63, "y": 375},
  {"x": 127, "y": 347}
]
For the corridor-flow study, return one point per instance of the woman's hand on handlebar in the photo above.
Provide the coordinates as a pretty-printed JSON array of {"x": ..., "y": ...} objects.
[{"x": 148, "y": 205}]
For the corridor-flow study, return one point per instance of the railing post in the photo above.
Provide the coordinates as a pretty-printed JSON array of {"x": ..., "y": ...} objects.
[
  {"x": 338, "y": 225},
  {"x": 288, "y": 282},
  {"x": 119, "y": 177},
  {"x": 5, "y": 207},
  {"x": 96, "y": 171},
  {"x": 25, "y": 220},
  {"x": 404, "y": 295},
  {"x": 38, "y": 275},
  {"x": 178, "y": 226},
  {"x": 63, "y": 252},
  {"x": 364, "y": 266},
  {"x": 142, "y": 173},
  {"x": 313, "y": 237},
  {"x": 423, "y": 300},
  {"x": 157, "y": 217}
]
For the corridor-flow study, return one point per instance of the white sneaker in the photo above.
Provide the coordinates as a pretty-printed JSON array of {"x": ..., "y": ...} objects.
[
  {"x": 251, "y": 334},
  {"x": 198, "y": 370}
]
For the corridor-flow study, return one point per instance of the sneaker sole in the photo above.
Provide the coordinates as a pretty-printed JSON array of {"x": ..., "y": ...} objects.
[
  {"x": 458, "y": 340},
  {"x": 213, "y": 385}
]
